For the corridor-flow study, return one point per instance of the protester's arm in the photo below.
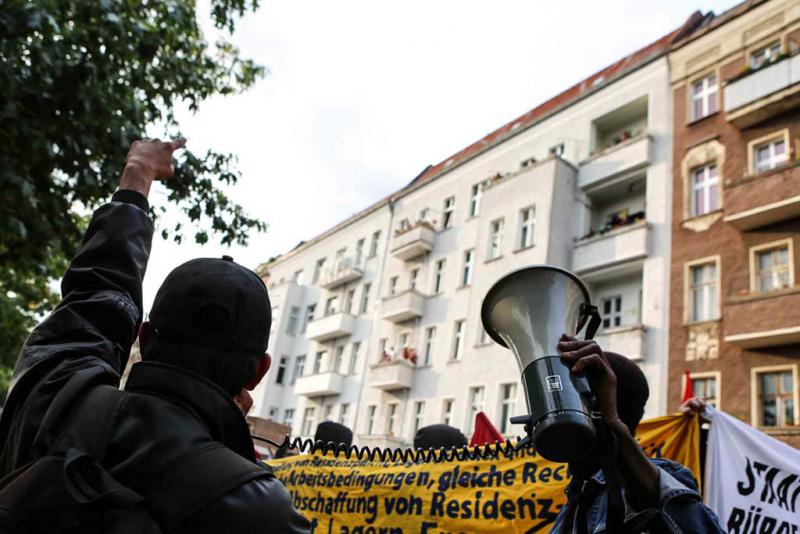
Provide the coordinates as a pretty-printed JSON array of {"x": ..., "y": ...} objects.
[{"x": 101, "y": 306}]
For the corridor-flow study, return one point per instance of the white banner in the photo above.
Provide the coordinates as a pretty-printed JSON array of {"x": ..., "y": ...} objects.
[{"x": 752, "y": 480}]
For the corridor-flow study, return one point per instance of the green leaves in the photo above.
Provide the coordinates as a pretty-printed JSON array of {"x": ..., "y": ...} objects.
[{"x": 79, "y": 81}]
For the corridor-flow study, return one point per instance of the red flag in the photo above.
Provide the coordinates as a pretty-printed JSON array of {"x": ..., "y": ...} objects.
[
  {"x": 485, "y": 432},
  {"x": 688, "y": 387}
]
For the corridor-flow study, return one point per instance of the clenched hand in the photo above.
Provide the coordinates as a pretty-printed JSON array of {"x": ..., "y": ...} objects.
[{"x": 148, "y": 160}]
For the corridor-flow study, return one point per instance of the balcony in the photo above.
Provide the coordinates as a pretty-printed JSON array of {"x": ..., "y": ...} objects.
[
  {"x": 625, "y": 157},
  {"x": 627, "y": 340},
  {"x": 414, "y": 241},
  {"x": 343, "y": 272},
  {"x": 381, "y": 441},
  {"x": 407, "y": 305},
  {"x": 393, "y": 375},
  {"x": 319, "y": 385},
  {"x": 763, "y": 94},
  {"x": 330, "y": 327},
  {"x": 760, "y": 320},
  {"x": 763, "y": 199},
  {"x": 616, "y": 247}
]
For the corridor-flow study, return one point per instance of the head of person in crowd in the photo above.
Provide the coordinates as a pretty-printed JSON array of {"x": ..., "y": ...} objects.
[
  {"x": 437, "y": 436},
  {"x": 331, "y": 432},
  {"x": 211, "y": 317}
]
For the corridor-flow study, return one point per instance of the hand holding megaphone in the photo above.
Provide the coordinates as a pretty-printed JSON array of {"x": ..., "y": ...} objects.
[{"x": 586, "y": 358}]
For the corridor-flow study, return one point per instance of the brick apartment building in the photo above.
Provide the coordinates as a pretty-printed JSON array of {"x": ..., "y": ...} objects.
[{"x": 734, "y": 297}]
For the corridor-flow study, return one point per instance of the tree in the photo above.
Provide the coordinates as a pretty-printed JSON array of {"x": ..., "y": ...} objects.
[{"x": 79, "y": 81}]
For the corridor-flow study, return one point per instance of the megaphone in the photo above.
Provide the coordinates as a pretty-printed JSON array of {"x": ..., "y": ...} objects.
[{"x": 527, "y": 311}]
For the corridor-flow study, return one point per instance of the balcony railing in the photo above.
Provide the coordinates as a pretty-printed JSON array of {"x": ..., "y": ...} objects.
[
  {"x": 346, "y": 270},
  {"x": 625, "y": 157},
  {"x": 765, "y": 319},
  {"x": 403, "y": 306},
  {"x": 319, "y": 385},
  {"x": 330, "y": 327},
  {"x": 627, "y": 340},
  {"x": 412, "y": 241},
  {"x": 769, "y": 91},
  {"x": 623, "y": 244},
  {"x": 393, "y": 374},
  {"x": 763, "y": 199}
]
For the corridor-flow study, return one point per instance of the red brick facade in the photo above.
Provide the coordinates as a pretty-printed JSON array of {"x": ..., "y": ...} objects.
[{"x": 742, "y": 311}]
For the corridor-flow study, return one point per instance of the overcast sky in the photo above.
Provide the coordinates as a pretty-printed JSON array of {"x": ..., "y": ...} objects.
[{"x": 362, "y": 95}]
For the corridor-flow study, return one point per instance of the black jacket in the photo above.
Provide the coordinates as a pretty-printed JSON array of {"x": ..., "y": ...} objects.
[{"x": 164, "y": 410}]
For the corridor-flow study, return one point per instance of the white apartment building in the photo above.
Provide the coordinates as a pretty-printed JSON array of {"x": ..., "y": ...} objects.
[{"x": 583, "y": 181}]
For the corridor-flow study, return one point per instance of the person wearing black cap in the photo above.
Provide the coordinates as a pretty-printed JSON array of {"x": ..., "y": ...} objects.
[
  {"x": 173, "y": 450},
  {"x": 438, "y": 436},
  {"x": 333, "y": 432},
  {"x": 617, "y": 488}
]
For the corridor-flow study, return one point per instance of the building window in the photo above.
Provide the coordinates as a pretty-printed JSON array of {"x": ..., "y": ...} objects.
[
  {"x": 308, "y": 421},
  {"x": 373, "y": 245},
  {"x": 365, "y": 298},
  {"x": 349, "y": 297},
  {"x": 769, "y": 155},
  {"x": 308, "y": 318},
  {"x": 496, "y": 232},
  {"x": 382, "y": 342},
  {"x": 438, "y": 276},
  {"x": 412, "y": 278},
  {"x": 273, "y": 412},
  {"x": 298, "y": 277},
  {"x": 466, "y": 273},
  {"x": 299, "y": 367},
  {"x": 706, "y": 389},
  {"x": 328, "y": 411},
  {"x": 318, "y": 358},
  {"x": 291, "y": 323},
  {"x": 765, "y": 54},
  {"x": 402, "y": 342},
  {"x": 476, "y": 395},
  {"x": 338, "y": 359},
  {"x": 527, "y": 218},
  {"x": 391, "y": 419},
  {"x": 393, "y": 285},
  {"x": 332, "y": 306},
  {"x": 703, "y": 292},
  {"x": 447, "y": 411},
  {"x": 371, "y": 419},
  {"x": 557, "y": 150},
  {"x": 705, "y": 190},
  {"x": 447, "y": 212},
  {"x": 354, "y": 357},
  {"x": 280, "y": 375},
  {"x": 772, "y": 267},
  {"x": 359, "y": 251},
  {"x": 612, "y": 311},
  {"x": 508, "y": 403},
  {"x": 475, "y": 200},
  {"x": 776, "y": 398},
  {"x": 458, "y": 340},
  {"x": 288, "y": 417},
  {"x": 343, "y": 410},
  {"x": 419, "y": 416},
  {"x": 483, "y": 336},
  {"x": 430, "y": 340},
  {"x": 318, "y": 270},
  {"x": 704, "y": 97}
]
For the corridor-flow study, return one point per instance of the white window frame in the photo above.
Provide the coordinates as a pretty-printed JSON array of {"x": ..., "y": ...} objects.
[
  {"x": 429, "y": 346},
  {"x": 771, "y": 139},
  {"x": 392, "y": 417},
  {"x": 457, "y": 352},
  {"x": 369, "y": 419},
  {"x": 755, "y": 399},
  {"x": 319, "y": 362},
  {"x": 364, "y": 306},
  {"x": 448, "y": 407},
  {"x": 474, "y": 406},
  {"x": 526, "y": 227},
  {"x": 393, "y": 281},
  {"x": 288, "y": 417},
  {"x": 298, "y": 277},
  {"x": 497, "y": 230},
  {"x": 706, "y": 94},
  {"x": 344, "y": 408},
  {"x": 308, "y": 316},
  {"x": 438, "y": 276},
  {"x": 359, "y": 251},
  {"x": 338, "y": 359},
  {"x": 771, "y": 54},
  {"x": 476, "y": 192},
  {"x": 448, "y": 212},
  {"x": 469, "y": 264},
  {"x": 373, "y": 244},
  {"x": 319, "y": 267},
  {"x": 788, "y": 243},
  {"x": 705, "y": 185},
  {"x": 613, "y": 313},
  {"x": 280, "y": 373},
  {"x": 349, "y": 297},
  {"x": 716, "y": 375},
  {"x": 293, "y": 320},
  {"x": 309, "y": 414},
  {"x": 688, "y": 302},
  {"x": 413, "y": 277},
  {"x": 355, "y": 348},
  {"x": 298, "y": 368},
  {"x": 508, "y": 405},
  {"x": 417, "y": 418}
]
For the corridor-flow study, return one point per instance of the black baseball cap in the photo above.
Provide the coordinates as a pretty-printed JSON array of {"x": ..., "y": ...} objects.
[{"x": 214, "y": 303}]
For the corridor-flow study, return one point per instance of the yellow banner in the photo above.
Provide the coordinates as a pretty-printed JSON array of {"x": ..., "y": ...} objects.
[{"x": 504, "y": 494}]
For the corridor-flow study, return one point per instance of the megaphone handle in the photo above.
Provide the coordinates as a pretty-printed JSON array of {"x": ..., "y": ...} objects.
[{"x": 594, "y": 320}]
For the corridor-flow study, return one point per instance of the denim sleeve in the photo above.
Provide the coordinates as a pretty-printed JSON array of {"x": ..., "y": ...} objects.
[{"x": 680, "y": 508}]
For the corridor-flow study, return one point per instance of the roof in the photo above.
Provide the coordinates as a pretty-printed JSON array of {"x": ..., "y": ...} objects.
[
  {"x": 710, "y": 21},
  {"x": 595, "y": 82}
]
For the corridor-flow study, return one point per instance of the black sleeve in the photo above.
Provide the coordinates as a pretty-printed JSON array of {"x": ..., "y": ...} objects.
[{"x": 101, "y": 308}]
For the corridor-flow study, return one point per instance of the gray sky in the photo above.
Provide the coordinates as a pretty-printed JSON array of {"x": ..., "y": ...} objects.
[{"x": 362, "y": 95}]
